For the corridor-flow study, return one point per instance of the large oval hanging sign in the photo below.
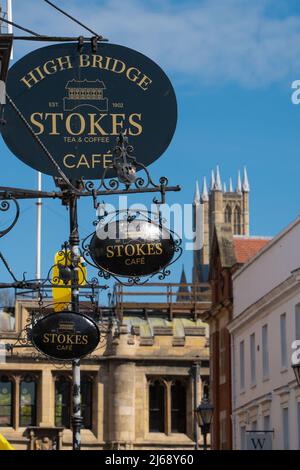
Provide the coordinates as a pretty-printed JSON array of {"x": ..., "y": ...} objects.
[
  {"x": 135, "y": 248},
  {"x": 77, "y": 103},
  {"x": 65, "y": 335}
]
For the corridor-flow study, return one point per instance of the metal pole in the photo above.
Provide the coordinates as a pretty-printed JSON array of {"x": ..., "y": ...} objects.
[
  {"x": 38, "y": 230},
  {"x": 74, "y": 245},
  {"x": 196, "y": 369}
]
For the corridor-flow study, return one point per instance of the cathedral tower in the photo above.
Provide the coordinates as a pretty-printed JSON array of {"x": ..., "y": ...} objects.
[{"x": 214, "y": 207}]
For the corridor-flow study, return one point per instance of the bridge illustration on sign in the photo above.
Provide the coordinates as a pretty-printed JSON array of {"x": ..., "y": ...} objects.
[
  {"x": 66, "y": 327},
  {"x": 85, "y": 93}
]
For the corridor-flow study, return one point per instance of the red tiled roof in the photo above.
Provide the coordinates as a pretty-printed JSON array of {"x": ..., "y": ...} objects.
[{"x": 247, "y": 247}]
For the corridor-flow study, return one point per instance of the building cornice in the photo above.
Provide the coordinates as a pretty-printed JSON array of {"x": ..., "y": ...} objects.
[
  {"x": 217, "y": 308},
  {"x": 270, "y": 299},
  {"x": 266, "y": 397},
  {"x": 25, "y": 359}
]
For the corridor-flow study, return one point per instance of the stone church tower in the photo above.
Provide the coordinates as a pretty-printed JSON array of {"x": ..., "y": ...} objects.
[{"x": 215, "y": 206}]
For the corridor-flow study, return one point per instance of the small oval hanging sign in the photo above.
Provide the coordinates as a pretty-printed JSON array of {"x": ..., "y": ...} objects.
[
  {"x": 136, "y": 248},
  {"x": 65, "y": 335}
]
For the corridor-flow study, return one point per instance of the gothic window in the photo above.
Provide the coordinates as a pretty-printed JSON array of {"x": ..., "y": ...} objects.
[
  {"x": 156, "y": 406},
  {"x": 27, "y": 402},
  {"x": 228, "y": 214},
  {"x": 167, "y": 405},
  {"x": 6, "y": 401},
  {"x": 178, "y": 407},
  {"x": 237, "y": 221},
  {"x": 86, "y": 402},
  {"x": 63, "y": 401}
]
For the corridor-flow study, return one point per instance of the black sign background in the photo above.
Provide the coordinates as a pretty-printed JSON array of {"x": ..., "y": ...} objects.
[
  {"x": 146, "y": 250},
  {"x": 68, "y": 335},
  {"x": 65, "y": 88}
]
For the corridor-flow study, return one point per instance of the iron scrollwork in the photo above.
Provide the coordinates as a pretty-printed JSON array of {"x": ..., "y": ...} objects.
[
  {"x": 125, "y": 166},
  {"x": 5, "y": 205}
]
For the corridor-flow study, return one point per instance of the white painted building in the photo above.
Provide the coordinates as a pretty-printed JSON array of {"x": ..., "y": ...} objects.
[{"x": 266, "y": 320}]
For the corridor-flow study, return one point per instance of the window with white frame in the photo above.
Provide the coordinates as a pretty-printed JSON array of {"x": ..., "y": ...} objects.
[
  {"x": 243, "y": 437},
  {"x": 283, "y": 342},
  {"x": 267, "y": 423},
  {"x": 252, "y": 359},
  {"x": 265, "y": 351},
  {"x": 285, "y": 428},
  {"x": 242, "y": 365}
]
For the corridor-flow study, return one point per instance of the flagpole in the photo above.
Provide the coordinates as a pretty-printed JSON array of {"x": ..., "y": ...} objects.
[{"x": 10, "y": 18}]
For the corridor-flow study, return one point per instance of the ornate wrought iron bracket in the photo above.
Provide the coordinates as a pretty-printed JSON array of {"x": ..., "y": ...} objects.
[
  {"x": 126, "y": 180},
  {"x": 6, "y": 204}
]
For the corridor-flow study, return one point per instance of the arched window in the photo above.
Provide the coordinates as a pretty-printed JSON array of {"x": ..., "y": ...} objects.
[
  {"x": 6, "y": 401},
  {"x": 178, "y": 407},
  {"x": 28, "y": 402},
  {"x": 156, "y": 406},
  {"x": 62, "y": 402},
  {"x": 86, "y": 402},
  {"x": 237, "y": 230},
  {"x": 227, "y": 215}
]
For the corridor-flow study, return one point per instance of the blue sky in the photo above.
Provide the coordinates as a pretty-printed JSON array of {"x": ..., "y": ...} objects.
[{"x": 232, "y": 63}]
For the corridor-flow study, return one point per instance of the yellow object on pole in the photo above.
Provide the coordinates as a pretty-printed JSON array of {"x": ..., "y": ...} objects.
[
  {"x": 61, "y": 276},
  {"x": 4, "y": 444}
]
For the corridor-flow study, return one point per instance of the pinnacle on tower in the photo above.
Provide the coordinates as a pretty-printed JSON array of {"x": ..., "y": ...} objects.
[
  {"x": 246, "y": 186},
  {"x": 224, "y": 188},
  {"x": 212, "y": 180},
  {"x": 239, "y": 184},
  {"x": 183, "y": 276},
  {"x": 204, "y": 195},
  {"x": 230, "y": 185},
  {"x": 197, "y": 193},
  {"x": 218, "y": 184}
]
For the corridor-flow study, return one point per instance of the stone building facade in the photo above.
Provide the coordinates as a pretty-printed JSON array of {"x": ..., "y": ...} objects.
[{"x": 138, "y": 387}]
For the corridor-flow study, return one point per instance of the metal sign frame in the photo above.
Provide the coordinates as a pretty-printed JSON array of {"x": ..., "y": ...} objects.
[{"x": 130, "y": 215}]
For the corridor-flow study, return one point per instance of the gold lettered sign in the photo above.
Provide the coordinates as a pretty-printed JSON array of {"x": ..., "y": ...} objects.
[
  {"x": 77, "y": 103},
  {"x": 65, "y": 335},
  {"x": 135, "y": 248}
]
